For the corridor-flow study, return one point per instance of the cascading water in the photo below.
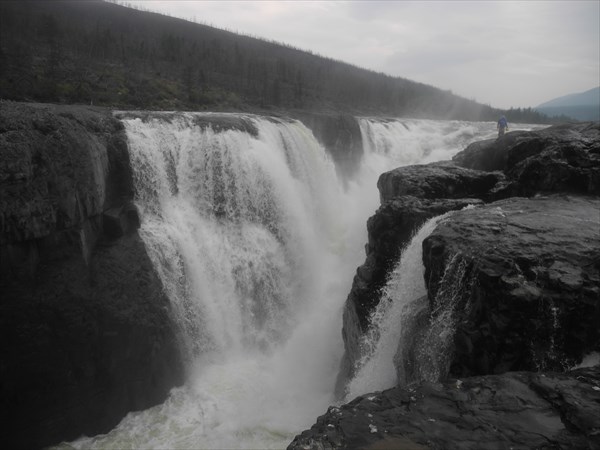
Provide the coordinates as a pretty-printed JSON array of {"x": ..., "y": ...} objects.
[
  {"x": 234, "y": 224},
  {"x": 403, "y": 344},
  {"x": 390, "y": 319},
  {"x": 433, "y": 350},
  {"x": 256, "y": 242},
  {"x": 244, "y": 222},
  {"x": 420, "y": 141},
  {"x": 391, "y": 143}
]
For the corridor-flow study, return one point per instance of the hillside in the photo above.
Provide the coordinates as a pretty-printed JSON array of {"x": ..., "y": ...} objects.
[
  {"x": 587, "y": 98},
  {"x": 579, "y": 106},
  {"x": 100, "y": 53}
]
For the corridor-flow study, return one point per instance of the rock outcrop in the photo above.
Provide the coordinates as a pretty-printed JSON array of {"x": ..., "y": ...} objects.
[
  {"x": 390, "y": 230},
  {"x": 563, "y": 158},
  {"x": 519, "y": 410},
  {"x": 85, "y": 330},
  {"x": 437, "y": 181},
  {"x": 512, "y": 285},
  {"x": 533, "y": 299},
  {"x": 557, "y": 159},
  {"x": 409, "y": 197}
]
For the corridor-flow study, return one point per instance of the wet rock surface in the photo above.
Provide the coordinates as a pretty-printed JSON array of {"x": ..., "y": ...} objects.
[
  {"x": 524, "y": 294},
  {"x": 410, "y": 196},
  {"x": 562, "y": 158},
  {"x": 390, "y": 230},
  {"x": 340, "y": 135},
  {"x": 518, "y": 410},
  {"x": 85, "y": 330},
  {"x": 436, "y": 181},
  {"x": 534, "y": 303}
]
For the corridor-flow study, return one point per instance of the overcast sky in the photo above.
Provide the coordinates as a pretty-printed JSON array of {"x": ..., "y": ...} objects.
[{"x": 508, "y": 53}]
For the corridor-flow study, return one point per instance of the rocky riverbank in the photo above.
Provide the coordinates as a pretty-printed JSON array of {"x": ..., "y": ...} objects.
[
  {"x": 512, "y": 285},
  {"x": 518, "y": 410},
  {"x": 85, "y": 330}
]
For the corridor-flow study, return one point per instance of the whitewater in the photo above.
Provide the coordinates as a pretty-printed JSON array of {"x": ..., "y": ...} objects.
[{"x": 256, "y": 238}]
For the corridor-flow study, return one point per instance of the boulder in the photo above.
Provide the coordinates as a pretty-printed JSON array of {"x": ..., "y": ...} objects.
[
  {"x": 436, "y": 181},
  {"x": 86, "y": 334},
  {"x": 562, "y": 158},
  {"x": 533, "y": 299},
  {"x": 520, "y": 410}
]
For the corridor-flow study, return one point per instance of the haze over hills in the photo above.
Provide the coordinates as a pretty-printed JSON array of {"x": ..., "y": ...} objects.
[
  {"x": 579, "y": 106},
  {"x": 106, "y": 54}
]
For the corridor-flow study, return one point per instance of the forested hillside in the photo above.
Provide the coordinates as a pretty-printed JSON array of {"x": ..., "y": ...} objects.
[{"x": 106, "y": 54}]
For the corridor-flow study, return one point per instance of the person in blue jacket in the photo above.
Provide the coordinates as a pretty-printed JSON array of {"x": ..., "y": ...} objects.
[{"x": 502, "y": 126}]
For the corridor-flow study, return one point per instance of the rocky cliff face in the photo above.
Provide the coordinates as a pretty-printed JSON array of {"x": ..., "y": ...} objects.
[
  {"x": 86, "y": 334},
  {"x": 409, "y": 197},
  {"x": 533, "y": 302},
  {"x": 512, "y": 285},
  {"x": 390, "y": 230},
  {"x": 340, "y": 135}
]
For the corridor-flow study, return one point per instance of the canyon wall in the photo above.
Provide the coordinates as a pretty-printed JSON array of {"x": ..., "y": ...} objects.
[{"x": 86, "y": 332}]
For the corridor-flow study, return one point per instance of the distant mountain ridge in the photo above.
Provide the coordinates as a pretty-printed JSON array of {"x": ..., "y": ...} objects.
[
  {"x": 579, "y": 106},
  {"x": 587, "y": 98}
]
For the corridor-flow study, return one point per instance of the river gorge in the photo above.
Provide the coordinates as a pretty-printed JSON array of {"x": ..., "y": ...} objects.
[{"x": 189, "y": 280}]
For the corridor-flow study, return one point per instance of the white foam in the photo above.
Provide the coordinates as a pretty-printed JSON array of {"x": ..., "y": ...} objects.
[
  {"x": 256, "y": 242},
  {"x": 589, "y": 360},
  {"x": 406, "y": 285}
]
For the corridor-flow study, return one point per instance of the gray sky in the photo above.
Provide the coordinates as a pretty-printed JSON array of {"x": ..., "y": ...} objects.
[{"x": 507, "y": 53}]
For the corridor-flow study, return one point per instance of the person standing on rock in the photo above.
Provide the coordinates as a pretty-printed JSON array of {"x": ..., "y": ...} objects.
[{"x": 502, "y": 126}]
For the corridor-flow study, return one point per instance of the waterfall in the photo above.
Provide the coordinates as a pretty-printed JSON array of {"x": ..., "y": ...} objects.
[
  {"x": 245, "y": 222},
  {"x": 421, "y": 141},
  {"x": 256, "y": 242},
  {"x": 433, "y": 350},
  {"x": 407, "y": 339},
  {"x": 391, "y": 321},
  {"x": 234, "y": 224},
  {"x": 547, "y": 351}
]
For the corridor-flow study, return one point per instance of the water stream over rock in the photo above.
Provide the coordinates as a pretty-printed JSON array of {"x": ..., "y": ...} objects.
[{"x": 256, "y": 241}]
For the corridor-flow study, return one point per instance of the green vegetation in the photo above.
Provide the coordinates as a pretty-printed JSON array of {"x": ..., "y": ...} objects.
[{"x": 100, "y": 53}]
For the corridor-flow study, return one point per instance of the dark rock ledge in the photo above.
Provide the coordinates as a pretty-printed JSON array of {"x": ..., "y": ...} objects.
[
  {"x": 528, "y": 284},
  {"x": 85, "y": 330},
  {"x": 533, "y": 302},
  {"x": 560, "y": 159},
  {"x": 409, "y": 197},
  {"x": 518, "y": 410}
]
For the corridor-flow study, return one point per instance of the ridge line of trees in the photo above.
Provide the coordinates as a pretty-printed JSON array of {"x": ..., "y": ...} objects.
[{"x": 103, "y": 53}]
